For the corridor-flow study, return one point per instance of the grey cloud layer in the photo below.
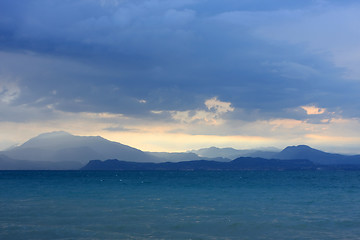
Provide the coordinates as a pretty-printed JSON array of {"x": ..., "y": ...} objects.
[{"x": 107, "y": 56}]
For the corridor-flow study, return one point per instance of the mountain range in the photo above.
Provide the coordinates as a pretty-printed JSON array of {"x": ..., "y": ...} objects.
[
  {"x": 242, "y": 163},
  {"x": 62, "y": 151}
]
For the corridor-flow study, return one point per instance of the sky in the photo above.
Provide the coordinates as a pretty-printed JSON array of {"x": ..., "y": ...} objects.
[{"x": 175, "y": 75}]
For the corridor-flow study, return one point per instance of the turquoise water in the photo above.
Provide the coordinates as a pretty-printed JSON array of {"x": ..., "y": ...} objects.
[{"x": 180, "y": 205}]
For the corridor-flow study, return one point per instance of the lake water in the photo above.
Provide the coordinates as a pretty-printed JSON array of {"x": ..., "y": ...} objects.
[{"x": 179, "y": 205}]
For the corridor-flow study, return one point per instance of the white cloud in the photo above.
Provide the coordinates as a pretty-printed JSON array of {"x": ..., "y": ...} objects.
[
  {"x": 312, "y": 110},
  {"x": 211, "y": 116},
  {"x": 218, "y": 106},
  {"x": 9, "y": 90}
]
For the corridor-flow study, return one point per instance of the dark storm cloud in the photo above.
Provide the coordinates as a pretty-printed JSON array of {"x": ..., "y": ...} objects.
[{"x": 132, "y": 57}]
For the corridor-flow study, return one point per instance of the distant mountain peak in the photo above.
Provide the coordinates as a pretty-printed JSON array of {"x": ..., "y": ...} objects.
[
  {"x": 62, "y": 146},
  {"x": 54, "y": 134},
  {"x": 315, "y": 155},
  {"x": 303, "y": 146},
  {"x": 299, "y": 148}
]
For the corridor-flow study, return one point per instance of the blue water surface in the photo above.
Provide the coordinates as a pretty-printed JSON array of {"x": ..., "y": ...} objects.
[{"x": 179, "y": 205}]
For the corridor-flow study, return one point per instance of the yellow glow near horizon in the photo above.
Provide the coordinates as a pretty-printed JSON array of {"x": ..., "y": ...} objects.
[
  {"x": 175, "y": 136},
  {"x": 326, "y": 138},
  {"x": 177, "y": 142}
]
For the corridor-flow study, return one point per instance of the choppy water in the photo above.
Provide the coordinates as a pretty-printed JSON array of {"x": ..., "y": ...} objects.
[{"x": 179, "y": 205}]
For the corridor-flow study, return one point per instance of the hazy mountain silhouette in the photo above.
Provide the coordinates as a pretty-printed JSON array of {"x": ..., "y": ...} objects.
[
  {"x": 61, "y": 150},
  {"x": 316, "y": 156},
  {"x": 185, "y": 156},
  {"x": 291, "y": 152},
  {"x": 64, "y": 147},
  {"x": 231, "y": 153},
  {"x": 175, "y": 156},
  {"x": 243, "y": 163}
]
